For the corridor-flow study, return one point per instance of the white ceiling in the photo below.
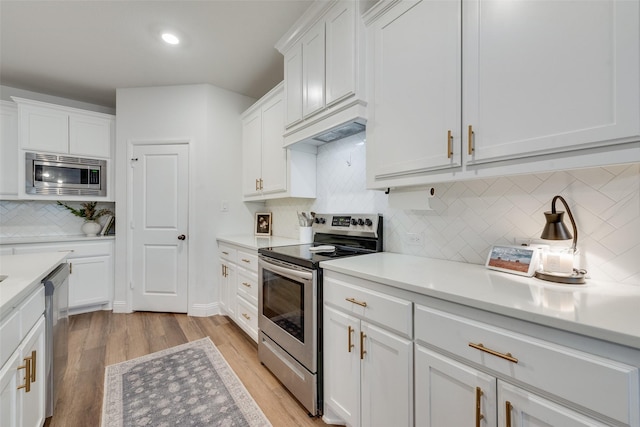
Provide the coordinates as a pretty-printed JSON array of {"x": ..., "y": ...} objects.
[{"x": 84, "y": 50}]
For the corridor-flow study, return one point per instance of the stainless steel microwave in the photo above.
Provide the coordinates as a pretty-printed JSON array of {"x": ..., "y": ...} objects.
[{"x": 51, "y": 174}]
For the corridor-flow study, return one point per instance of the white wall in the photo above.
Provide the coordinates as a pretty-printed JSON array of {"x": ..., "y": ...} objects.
[
  {"x": 469, "y": 217},
  {"x": 209, "y": 118}
]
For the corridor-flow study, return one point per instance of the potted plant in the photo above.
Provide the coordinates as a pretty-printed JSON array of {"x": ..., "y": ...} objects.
[{"x": 90, "y": 214}]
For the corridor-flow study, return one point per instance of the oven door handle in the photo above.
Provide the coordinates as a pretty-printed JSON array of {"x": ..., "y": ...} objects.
[{"x": 289, "y": 272}]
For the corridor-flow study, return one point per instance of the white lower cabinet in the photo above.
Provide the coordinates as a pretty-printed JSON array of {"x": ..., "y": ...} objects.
[
  {"x": 91, "y": 271},
  {"x": 22, "y": 376},
  {"x": 239, "y": 286},
  {"x": 398, "y": 358},
  {"x": 368, "y": 365},
  {"x": 449, "y": 393}
]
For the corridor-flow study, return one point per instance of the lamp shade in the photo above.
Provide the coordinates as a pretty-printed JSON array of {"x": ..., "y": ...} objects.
[{"x": 555, "y": 229}]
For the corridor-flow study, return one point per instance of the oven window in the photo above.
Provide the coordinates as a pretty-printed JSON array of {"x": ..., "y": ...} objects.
[
  {"x": 283, "y": 303},
  {"x": 61, "y": 175}
]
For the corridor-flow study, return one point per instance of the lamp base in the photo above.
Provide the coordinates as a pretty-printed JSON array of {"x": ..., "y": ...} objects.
[{"x": 575, "y": 278}]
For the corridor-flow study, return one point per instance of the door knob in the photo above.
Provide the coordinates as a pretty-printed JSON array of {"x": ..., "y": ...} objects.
[{"x": 182, "y": 237}]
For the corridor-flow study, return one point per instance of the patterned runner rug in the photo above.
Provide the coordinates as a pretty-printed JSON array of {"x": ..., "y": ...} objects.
[{"x": 186, "y": 385}]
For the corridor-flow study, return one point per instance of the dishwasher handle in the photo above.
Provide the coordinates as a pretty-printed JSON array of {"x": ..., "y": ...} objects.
[{"x": 55, "y": 278}]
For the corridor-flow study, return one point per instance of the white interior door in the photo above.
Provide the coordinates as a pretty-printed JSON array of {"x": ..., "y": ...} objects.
[{"x": 160, "y": 209}]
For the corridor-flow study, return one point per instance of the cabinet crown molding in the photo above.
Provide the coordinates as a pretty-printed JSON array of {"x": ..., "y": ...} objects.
[
  {"x": 72, "y": 110},
  {"x": 313, "y": 14}
]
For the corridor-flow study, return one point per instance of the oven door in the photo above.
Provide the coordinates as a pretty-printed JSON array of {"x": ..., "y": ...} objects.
[{"x": 287, "y": 310}]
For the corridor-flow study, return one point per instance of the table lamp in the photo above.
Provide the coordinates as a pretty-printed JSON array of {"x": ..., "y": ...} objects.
[{"x": 559, "y": 267}]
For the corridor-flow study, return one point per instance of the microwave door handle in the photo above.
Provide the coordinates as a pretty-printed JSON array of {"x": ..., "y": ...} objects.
[{"x": 292, "y": 274}]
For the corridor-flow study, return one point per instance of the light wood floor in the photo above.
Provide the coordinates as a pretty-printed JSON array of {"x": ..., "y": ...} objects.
[{"x": 102, "y": 338}]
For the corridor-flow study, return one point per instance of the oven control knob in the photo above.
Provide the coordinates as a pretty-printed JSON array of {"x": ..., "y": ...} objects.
[
  {"x": 322, "y": 221},
  {"x": 368, "y": 222},
  {"x": 354, "y": 221},
  {"x": 360, "y": 221},
  {"x": 317, "y": 221}
]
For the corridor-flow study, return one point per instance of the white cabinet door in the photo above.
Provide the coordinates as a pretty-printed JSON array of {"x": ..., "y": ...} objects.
[
  {"x": 10, "y": 378},
  {"x": 252, "y": 153},
  {"x": 532, "y": 88},
  {"x": 414, "y": 89},
  {"x": 274, "y": 157},
  {"x": 449, "y": 393},
  {"x": 293, "y": 85},
  {"x": 228, "y": 288},
  {"x": 32, "y": 405},
  {"x": 44, "y": 129},
  {"x": 342, "y": 365},
  {"x": 340, "y": 52},
  {"x": 89, "y": 136},
  {"x": 519, "y": 408},
  {"x": 313, "y": 70},
  {"x": 386, "y": 378},
  {"x": 8, "y": 150},
  {"x": 90, "y": 281}
]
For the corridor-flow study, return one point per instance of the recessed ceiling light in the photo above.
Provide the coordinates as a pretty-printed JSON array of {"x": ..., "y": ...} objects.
[{"x": 170, "y": 38}]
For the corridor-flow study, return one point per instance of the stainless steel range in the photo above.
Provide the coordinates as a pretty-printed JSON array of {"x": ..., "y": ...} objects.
[{"x": 290, "y": 300}]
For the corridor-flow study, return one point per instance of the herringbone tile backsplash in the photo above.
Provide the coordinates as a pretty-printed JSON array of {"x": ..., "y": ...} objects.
[
  {"x": 467, "y": 218},
  {"x": 40, "y": 218}
]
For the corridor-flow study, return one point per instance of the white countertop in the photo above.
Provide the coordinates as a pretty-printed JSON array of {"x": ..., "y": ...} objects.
[
  {"x": 51, "y": 239},
  {"x": 25, "y": 272},
  {"x": 254, "y": 242},
  {"x": 603, "y": 310}
]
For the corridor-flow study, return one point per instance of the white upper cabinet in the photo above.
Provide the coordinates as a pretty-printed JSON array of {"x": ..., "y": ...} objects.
[
  {"x": 268, "y": 169},
  {"x": 293, "y": 84},
  {"x": 57, "y": 129},
  {"x": 414, "y": 113},
  {"x": 340, "y": 47},
  {"x": 8, "y": 150},
  {"x": 313, "y": 70},
  {"x": 324, "y": 67},
  {"x": 570, "y": 83},
  {"x": 487, "y": 90}
]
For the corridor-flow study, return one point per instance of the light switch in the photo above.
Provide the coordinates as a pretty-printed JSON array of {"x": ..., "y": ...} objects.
[{"x": 224, "y": 206}]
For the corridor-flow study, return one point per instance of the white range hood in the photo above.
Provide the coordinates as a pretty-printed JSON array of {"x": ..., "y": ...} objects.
[{"x": 333, "y": 126}]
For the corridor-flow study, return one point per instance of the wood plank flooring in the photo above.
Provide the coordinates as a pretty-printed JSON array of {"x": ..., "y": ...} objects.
[{"x": 102, "y": 338}]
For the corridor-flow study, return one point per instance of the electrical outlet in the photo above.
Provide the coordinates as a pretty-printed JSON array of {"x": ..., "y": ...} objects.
[
  {"x": 521, "y": 241},
  {"x": 414, "y": 239}
]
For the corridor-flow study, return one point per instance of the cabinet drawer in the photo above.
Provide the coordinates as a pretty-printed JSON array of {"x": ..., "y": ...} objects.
[
  {"x": 78, "y": 250},
  {"x": 388, "y": 311},
  {"x": 248, "y": 260},
  {"x": 31, "y": 310},
  {"x": 247, "y": 318},
  {"x": 248, "y": 286},
  {"x": 10, "y": 336},
  {"x": 601, "y": 385},
  {"x": 227, "y": 252}
]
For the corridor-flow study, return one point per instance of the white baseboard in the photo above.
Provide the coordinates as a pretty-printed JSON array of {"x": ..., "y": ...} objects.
[
  {"x": 120, "y": 307},
  {"x": 204, "y": 310}
]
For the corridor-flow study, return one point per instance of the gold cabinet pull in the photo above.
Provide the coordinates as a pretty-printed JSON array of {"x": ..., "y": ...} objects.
[
  {"x": 471, "y": 136},
  {"x": 449, "y": 145},
  {"x": 351, "y": 345},
  {"x": 506, "y": 356},
  {"x": 362, "y": 350},
  {"x": 355, "y": 301},
  {"x": 508, "y": 407},
  {"x": 226, "y": 253},
  {"x": 70, "y": 268},
  {"x": 248, "y": 261},
  {"x": 248, "y": 285},
  {"x": 479, "y": 415},
  {"x": 225, "y": 271},
  {"x": 257, "y": 183},
  {"x": 246, "y": 316},
  {"x": 33, "y": 366},
  {"x": 27, "y": 375},
  {"x": 261, "y": 187}
]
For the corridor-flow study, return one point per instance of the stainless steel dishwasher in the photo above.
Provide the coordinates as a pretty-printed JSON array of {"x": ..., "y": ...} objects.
[{"x": 56, "y": 312}]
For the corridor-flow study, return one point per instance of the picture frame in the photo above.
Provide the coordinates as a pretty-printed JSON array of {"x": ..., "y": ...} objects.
[
  {"x": 521, "y": 260},
  {"x": 262, "y": 225}
]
